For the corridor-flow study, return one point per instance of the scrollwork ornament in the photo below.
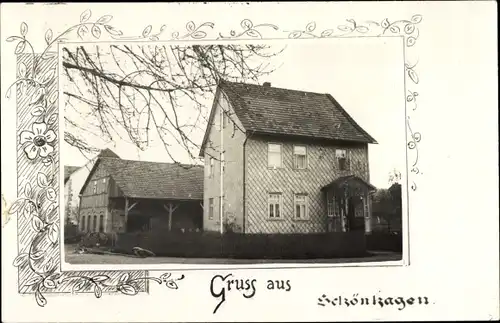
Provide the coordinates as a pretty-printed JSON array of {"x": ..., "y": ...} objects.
[{"x": 35, "y": 88}]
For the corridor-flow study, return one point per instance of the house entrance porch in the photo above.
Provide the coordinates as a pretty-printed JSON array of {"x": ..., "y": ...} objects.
[{"x": 347, "y": 201}]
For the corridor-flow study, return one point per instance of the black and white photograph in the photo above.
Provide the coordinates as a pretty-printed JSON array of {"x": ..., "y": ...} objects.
[
  {"x": 234, "y": 153},
  {"x": 249, "y": 161}
]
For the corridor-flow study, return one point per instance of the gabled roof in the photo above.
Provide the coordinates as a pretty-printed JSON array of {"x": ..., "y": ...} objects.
[
  {"x": 270, "y": 110},
  {"x": 142, "y": 179},
  {"x": 68, "y": 170},
  {"x": 107, "y": 153},
  {"x": 345, "y": 180}
]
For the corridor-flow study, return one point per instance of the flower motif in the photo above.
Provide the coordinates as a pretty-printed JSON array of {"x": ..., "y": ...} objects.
[{"x": 38, "y": 140}]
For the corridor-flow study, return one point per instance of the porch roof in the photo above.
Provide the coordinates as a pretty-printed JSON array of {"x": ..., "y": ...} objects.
[{"x": 345, "y": 180}]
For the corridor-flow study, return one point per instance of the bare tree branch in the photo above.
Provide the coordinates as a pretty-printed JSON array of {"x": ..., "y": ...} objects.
[{"x": 151, "y": 93}]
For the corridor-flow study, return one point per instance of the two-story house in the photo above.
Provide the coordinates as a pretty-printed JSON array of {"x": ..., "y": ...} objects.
[{"x": 283, "y": 161}]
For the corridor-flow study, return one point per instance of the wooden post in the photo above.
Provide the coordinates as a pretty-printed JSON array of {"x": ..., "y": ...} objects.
[
  {"x": 342, "y": 214},
  {"x": 368, "y": 215},
  {"x": 170, "y": 213},
  {"x": 126, "y": 213},
  {"x": 171, "y": 209}
]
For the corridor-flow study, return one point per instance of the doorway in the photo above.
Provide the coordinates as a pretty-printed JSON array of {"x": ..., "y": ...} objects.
[{"x": 355, "y": 218}]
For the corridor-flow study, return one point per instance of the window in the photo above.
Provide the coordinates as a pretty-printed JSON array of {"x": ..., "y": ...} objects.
[
  {"x": 341, "y": 155},
  {"x": 88, "y": 224},
  {"x": 274, "y": 203},
  {"x": 360, "y": 208},
  {"x": 301, "y": 211},
  {"x": 104, "y": 186},
  {"x": 94, "y": 188},
  {"x": 299, "y": 157},
  {"x": 82, "y": 224},
  {"x": 210, "y": 208},
  {"x": 329, "y": 210},
  {"x": 211, "y": 167},
  {"x": 274, "y": 155},
  {"x": 331, "y": 207},
  {"x": 101, "y": 223},
  {"x": 96, "y": 228}
]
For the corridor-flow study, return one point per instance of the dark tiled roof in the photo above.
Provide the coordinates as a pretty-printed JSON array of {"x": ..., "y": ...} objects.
[
  {"x": 339, "y": 182},
  {"x": 271, "y": 110},
  {"x": 68, "y": 170},
  {"x": 108, "y": 153},
  {"x": 141, "y": 179}
]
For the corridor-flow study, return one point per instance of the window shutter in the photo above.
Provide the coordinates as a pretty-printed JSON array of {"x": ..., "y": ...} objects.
[
  {"x": 299, "y": 150},
  {"x": 274, "y": 155},
  {"x": 274, "y": 148}
]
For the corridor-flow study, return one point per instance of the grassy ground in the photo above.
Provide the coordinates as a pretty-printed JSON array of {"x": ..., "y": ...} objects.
[{"x": 78, "y": 259}]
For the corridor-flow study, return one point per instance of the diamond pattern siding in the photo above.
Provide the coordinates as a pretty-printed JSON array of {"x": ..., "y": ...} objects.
[{"x": 322, "y": 169}]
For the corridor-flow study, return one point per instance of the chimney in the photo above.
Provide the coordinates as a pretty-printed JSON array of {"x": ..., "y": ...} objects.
[{"x": 266, "y": 84}]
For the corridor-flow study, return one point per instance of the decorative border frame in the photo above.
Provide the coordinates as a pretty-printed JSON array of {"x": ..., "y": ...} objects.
[{"x": 37, "y": 125}]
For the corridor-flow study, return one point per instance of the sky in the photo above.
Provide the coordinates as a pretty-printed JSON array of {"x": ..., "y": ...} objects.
[{"x": 365, "y": 75}]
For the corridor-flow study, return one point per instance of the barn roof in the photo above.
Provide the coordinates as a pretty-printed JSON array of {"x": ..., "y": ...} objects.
[
  {"x": 143, "y": 179},
  {"x": 68, "y": 170},
  {"x": 107, "y": 153},
  {"x": 276, "y": 111}
]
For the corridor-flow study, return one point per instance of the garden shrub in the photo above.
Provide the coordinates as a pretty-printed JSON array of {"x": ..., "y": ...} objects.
[
  {"x": 245, "y": 246},
  {"x": 96, "y": 239},
  {"x": 383, "y": 241}
]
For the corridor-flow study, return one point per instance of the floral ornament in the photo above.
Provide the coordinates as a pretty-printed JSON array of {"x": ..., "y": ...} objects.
[
  {"x": 128, "y": 286},
  {"x": 194, "y": 31},
  {"x": 38, "y": 140},
  {"x": 249, "y": 29},
  {"x": 125, "y": 285}
]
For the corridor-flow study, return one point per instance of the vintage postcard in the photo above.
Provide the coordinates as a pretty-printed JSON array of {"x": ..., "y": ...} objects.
[{"x": 271, "y": 159}]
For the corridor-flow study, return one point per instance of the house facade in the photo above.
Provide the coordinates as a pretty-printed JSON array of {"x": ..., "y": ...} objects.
[
  {"x": 284, "y": 161},
  {"x": 122, "y": 196}
]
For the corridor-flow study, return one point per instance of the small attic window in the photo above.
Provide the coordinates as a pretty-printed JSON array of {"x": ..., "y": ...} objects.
[
  {"x": 104, "y": 186},
  {"x": 341, "y": 155},
  {"x": 211, "y": 167}
]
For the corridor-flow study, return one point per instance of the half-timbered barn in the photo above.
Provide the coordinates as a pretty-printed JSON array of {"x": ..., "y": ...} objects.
[
  {"x": 74, "y": 178},
  {"x": 129, "y": 196}
]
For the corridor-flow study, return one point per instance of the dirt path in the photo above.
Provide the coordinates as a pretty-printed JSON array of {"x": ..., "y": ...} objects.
[{"x": 78, "y": 259}]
